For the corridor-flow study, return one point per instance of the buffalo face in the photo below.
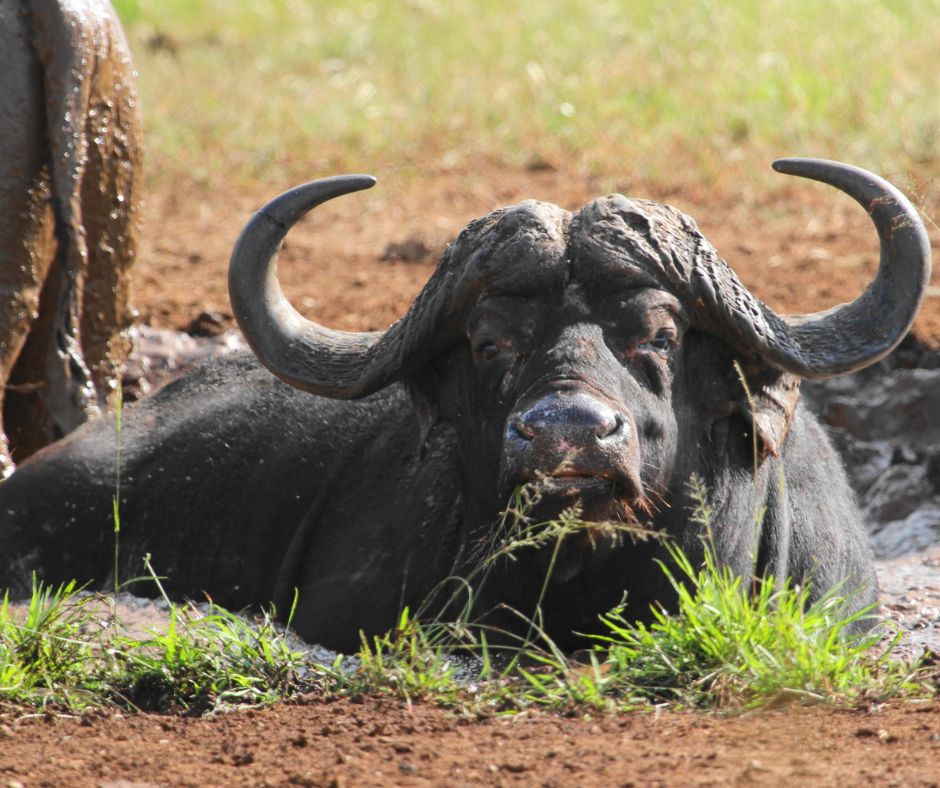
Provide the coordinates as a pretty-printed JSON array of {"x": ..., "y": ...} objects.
[{"x": 582, "y": 398}]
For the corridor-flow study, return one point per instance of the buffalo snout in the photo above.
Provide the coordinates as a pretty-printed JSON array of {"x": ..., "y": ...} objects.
[{"x": 577, "y": 441}]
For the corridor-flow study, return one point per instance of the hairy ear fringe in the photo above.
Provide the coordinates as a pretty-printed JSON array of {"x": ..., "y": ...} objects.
[{"x": 769, "y": 400}]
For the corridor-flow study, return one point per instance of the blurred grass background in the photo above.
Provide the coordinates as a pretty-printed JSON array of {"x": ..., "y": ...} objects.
[{"x": 236, "y": 91}]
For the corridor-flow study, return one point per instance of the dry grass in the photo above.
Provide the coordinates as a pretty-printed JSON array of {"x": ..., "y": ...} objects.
[{"x": 246, "y": 91}]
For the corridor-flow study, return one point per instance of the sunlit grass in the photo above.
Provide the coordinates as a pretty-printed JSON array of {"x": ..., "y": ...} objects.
[
  {"x": 733, "y": 642},
  {"x": 69, "y": 652},
  {"x": 281, "y": 90}
]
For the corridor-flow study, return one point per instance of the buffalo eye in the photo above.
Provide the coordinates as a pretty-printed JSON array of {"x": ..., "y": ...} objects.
[
  {"x": 487, "y": 350},
  {"x": 662, "y": 343}
]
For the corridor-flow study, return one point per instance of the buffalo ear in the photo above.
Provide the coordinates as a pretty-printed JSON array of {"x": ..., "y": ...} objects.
[
  {"x": 769, "y": 402},
  {"x": 434, "y": 390},
  {"x": 767, "y": 406}
]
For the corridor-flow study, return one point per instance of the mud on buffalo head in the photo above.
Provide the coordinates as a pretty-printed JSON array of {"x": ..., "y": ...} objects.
[{"x": 594, "y": 349}]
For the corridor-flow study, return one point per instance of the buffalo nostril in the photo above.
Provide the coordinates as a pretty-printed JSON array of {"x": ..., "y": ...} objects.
[
  {"x": 610, "y": 426},
  {"x": 522, "y": 430}
]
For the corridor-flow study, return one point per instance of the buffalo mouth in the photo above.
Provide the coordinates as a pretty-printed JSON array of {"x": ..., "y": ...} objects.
[
  {"x": 595, "y": 497},
  {"x": 572, "y": 485},
  {"x": 607, "y": 515}
]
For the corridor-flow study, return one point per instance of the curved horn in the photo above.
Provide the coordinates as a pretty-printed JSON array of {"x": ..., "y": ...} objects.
[
  {"x": 854, "y": 335},
  {"x": 345, "y": 364},
  {"x": 847, "y": 337},
  {"x": 301, "y": 352}
]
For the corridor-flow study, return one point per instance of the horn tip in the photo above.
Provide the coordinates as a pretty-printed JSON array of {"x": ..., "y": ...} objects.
[
  {"x": 348, "y": 183},
  {"x": 793, "y": 165},
  {"x": 366, "y": 181}
]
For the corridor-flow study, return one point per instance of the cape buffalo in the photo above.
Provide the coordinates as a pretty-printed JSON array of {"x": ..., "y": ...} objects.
[
  {"x": 592, "y": 349},
  {"x": 69, "y": 175}
]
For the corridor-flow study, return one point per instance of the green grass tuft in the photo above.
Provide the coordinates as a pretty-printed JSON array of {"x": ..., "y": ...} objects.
[
  {"x": 68, "y": 652},
  {"x": 44, "y": 655},
  {"x": 734, "y": 642},
  {"x": 413, "y": 660},
  {"x": 204, "y": 661}
]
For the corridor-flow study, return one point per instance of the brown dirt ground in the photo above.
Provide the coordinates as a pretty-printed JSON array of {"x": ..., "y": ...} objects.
[
  {"x": 802, "y": 249},
  {"x": 386, "y": 742}
]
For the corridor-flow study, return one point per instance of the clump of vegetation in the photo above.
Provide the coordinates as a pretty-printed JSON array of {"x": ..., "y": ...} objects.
[
  {"x": 43, "y": 658},
  {"x": 733, "y": 642},
  {"x": 417, "y": 661},
  {"x": 204, "y": 661},
  {"x": 69, "y": 652}
]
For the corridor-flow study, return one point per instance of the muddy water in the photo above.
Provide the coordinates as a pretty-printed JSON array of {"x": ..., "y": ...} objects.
[{"x": 161, "y": 355}]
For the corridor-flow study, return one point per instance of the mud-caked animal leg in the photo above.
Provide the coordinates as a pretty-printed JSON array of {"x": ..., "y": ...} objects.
[
  {"x": 110, "y": 195},
  {"x": 69, "y": 169},
  {"x": 27, "y": 222}
]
